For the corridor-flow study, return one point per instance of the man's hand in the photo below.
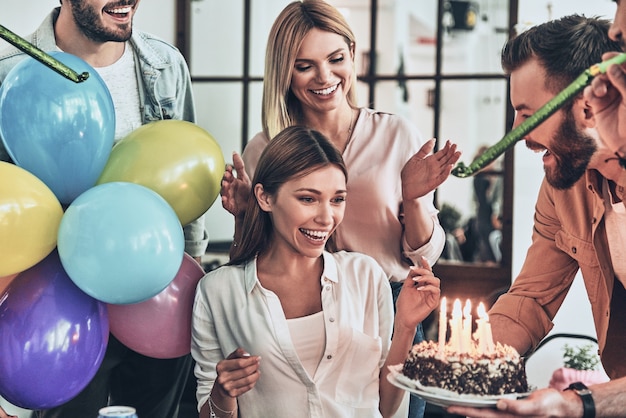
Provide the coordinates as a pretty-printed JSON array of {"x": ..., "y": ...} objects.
[
  {"x": 607, "y": 97},
  {"x": 541, "y": 403}
]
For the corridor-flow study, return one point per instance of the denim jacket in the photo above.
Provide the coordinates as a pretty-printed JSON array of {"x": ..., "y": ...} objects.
[{"x": 164, "y": 92}]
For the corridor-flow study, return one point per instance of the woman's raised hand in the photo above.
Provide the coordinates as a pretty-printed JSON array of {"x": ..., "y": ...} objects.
[
  {"x": 424, "y": 172},
  {"x": 419, "y": 295},
  {"x": 235, "y": 189}
]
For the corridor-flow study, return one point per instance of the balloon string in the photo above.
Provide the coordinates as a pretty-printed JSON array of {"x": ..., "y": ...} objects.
[
  {"x": 558, "y": 101},
  {"x": 41, "y": 56}
]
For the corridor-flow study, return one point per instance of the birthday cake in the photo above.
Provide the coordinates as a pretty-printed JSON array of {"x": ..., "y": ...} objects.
[
  {"x": 469, "y": 363},
  {"x": 500, "y": 372}
]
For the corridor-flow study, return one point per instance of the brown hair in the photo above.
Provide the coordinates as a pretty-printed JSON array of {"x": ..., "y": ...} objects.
[
  {"x": 295, "y": 152},
  {"x": 565, "y": 48}
]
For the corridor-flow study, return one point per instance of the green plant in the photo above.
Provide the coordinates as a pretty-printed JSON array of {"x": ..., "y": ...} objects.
[
  {"x": 580, "y": 358},
  {"x": 449, "y": 217}
]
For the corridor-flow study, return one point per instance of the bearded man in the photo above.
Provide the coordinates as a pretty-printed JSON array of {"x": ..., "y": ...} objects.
[{"x": 579, "y": 219}]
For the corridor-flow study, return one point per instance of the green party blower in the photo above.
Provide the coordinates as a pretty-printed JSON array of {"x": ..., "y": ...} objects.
[
  {"x": 567, "y": 94},
  {"x": 41, "y": 56}
]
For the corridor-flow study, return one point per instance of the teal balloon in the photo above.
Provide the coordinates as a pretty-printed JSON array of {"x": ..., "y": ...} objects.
[
  {"x": 121, "y": 243},
  {"x": 59, "y": 130}
]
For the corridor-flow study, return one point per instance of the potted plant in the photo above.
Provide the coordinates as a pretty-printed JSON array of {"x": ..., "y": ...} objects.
[{"x": 580, "y": 364}]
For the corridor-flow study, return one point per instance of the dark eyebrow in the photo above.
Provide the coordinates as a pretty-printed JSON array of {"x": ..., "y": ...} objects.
[
  {"x": 336, "y": 51},
  {"x": 317, "y": 192}
]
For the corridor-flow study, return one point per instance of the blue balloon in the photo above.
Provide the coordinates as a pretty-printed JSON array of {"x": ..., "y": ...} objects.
[
  {"x": 121, "y": 242},
  {"x": 59, "y": 130},
  {"x": 52, "y": 337}
]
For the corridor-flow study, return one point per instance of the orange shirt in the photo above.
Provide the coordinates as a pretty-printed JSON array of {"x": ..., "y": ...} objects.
[{"x": 568, "y": 235}]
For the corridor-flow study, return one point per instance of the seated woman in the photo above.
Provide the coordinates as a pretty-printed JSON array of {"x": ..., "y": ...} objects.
[{"x": 288, "y": 329}]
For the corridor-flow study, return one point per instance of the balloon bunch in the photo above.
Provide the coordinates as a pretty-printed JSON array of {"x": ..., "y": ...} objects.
[{"x": 91, "y": 237}]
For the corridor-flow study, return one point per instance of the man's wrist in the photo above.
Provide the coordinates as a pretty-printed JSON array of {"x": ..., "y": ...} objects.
[{"x": 589, "y": 407}]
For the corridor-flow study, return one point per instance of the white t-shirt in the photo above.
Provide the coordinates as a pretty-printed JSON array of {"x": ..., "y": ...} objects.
[
  {"x": 305, "y": 335},
  {"x": 121, "y": 79}
]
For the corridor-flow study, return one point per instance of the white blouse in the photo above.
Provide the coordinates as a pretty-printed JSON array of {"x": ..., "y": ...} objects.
[{"x": 233, "y": 310}]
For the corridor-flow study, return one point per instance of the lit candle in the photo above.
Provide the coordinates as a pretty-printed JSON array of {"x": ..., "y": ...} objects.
[
  {"x": 455, "y": 327},
  {"x": 485, "y": 339},
  {"x": 480, "y": 328},
  {"x": 490, "y": 345},
  {"x": 466, "y": 339},
  {"x": 443, "y": 326}
]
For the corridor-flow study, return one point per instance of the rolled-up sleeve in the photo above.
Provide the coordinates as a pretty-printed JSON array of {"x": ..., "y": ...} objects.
[
  {"x": 431, "y": 250},
  {"x": 204, "y": 347},
  {"x": 196, "y": 237}
]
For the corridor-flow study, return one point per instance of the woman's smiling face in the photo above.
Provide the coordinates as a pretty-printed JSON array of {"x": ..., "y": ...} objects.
[
  {"x": 306, "y": 210},
  {"x": 322, "y": 73}
]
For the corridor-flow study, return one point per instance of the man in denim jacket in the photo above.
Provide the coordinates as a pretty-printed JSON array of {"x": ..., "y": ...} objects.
[{"x": 149, "y": 80}]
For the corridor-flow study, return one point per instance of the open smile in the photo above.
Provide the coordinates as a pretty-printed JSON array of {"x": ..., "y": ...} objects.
[
  {"x": 326, "y": 91},
  {"x": 119, "y": 12},
  {"x": 319, "y": 236}
]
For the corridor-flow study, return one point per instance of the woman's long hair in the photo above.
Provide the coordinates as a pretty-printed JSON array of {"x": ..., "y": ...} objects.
[
  {"x": 293, "y": 153},
  {"x": 280, "y": 108}
]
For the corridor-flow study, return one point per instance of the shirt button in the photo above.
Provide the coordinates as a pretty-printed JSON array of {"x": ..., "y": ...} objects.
[
  {"x": 574, "y": 250},
  {"x": 331, "y": 319},
  {"x": 329, "y": 357},
  {"x": 327, "y": 287}
]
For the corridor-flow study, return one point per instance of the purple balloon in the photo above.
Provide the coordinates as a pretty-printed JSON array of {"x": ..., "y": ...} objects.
[{"x": 53, "y": 337}]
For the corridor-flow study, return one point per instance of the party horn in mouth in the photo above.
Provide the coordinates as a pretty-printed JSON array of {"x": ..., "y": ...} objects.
[
  {"x": 46, "y": 59},
  {"x": 567, "y": 94}
]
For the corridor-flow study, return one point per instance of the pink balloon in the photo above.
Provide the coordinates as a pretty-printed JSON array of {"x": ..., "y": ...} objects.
[
  {"x": 160, "y": 327},
  {"x": 6, "y": 281}
]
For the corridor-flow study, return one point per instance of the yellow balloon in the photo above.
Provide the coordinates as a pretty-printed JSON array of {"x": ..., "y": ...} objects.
[
  {"x": 177, "y": 159},
  {"x": 30, "y": 215}
]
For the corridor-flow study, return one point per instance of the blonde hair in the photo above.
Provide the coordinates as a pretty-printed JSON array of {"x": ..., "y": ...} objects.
[{"x": 280, "y": 107}]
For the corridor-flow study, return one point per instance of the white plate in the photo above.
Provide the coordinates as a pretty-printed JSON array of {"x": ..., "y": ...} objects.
[{"x": 442, "y": 397}]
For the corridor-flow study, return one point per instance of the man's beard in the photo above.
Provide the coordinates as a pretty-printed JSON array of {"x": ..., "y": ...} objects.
[
  {"x": 572, "y": 149},
  {"x": 88, "y": 21}
]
